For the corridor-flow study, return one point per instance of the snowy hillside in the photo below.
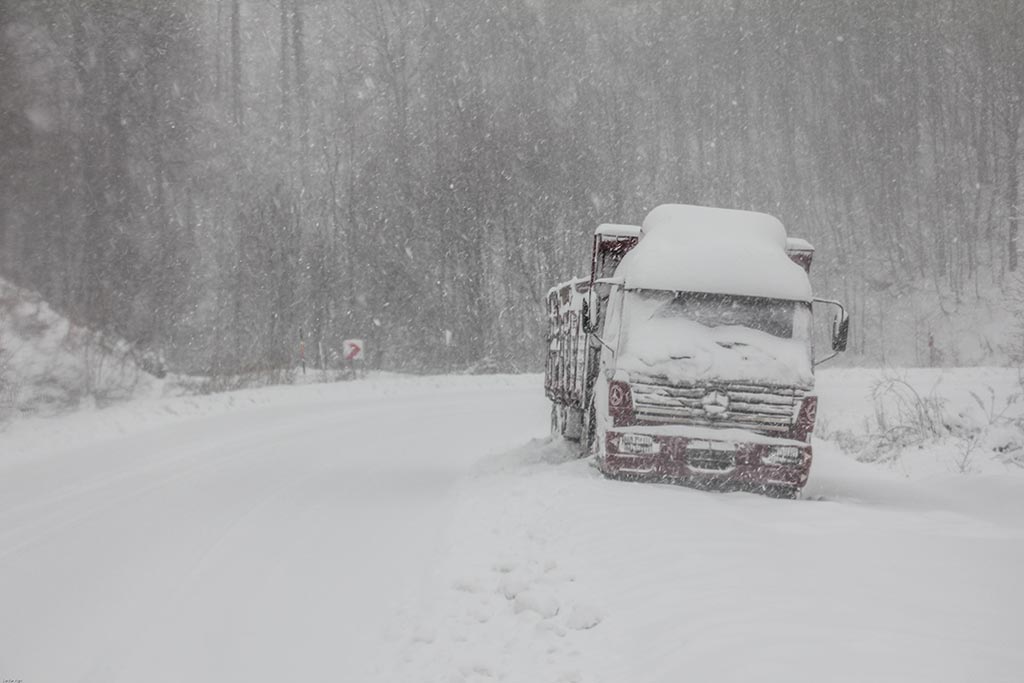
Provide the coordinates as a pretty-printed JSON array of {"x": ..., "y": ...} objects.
[
  {"x": 48, "y": 363},
  {"x": 919, "y": 326}
]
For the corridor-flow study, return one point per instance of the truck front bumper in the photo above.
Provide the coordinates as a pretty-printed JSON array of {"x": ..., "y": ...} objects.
[{"x": 704, "y": 458}]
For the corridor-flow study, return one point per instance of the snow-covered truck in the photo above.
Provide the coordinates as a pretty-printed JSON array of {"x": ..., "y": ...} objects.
[{"x": 688, "y": 354}]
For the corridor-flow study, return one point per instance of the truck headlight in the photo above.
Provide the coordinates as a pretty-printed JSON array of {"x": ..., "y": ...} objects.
[
  {"x": 783, "y": 455},
  {"x": 639, "y": 444}
]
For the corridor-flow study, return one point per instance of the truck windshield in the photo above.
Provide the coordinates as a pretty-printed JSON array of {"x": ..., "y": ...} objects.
[
  {"x": 774, "y": 316},
  {"x": 696, "y": 335}
]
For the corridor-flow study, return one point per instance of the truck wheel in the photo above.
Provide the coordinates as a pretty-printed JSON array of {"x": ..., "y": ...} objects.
[
  {"x": 785, "y": 492},
  {"x": 588, "y": 440},
  {"x": 570, "y": 422}
]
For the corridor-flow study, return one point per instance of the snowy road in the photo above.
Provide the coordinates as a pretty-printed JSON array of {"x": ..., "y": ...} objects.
[
  {"x": 266, "y": 544},
  {"x": 423, "y": 530}
]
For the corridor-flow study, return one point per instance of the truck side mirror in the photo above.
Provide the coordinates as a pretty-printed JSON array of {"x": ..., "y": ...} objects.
[{"x": 840, "y": 331}]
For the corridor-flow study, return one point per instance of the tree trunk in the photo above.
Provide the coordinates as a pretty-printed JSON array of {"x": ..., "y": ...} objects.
[
  {"x": 237, "y": 112},
  {"x": 284, "y": 116},
  {"x": 301, "y": 75},
  {"x": 1013, "y": 180}
]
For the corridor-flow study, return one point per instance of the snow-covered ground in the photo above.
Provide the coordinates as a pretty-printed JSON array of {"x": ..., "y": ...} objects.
[{"x": 425, "y": 529}]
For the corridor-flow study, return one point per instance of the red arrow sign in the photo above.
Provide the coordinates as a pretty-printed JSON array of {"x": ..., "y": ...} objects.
[{"x": 353, "y": 349}]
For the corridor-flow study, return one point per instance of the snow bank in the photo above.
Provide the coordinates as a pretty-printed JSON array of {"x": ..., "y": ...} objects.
[
  {"x": 49, "y": 364},
  {"x": 923, "y": 422},
  {"x": 703, "y": 249}
]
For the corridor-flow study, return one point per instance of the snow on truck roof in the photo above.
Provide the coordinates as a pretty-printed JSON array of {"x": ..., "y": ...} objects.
[
  {"x": 618, "y": 230},
  {"x": 797, "y": 244},
  {"x": 724, "y": 251}
]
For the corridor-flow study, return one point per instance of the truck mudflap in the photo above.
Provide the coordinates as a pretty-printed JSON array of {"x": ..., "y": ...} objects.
[{"x": 779, "y": 466}]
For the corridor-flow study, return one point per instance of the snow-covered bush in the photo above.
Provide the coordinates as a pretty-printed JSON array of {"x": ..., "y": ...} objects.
[
  {"x": 108, "y": 371},
  {"x": 994, "y": 427},
  {"x": 258, "y": 378},
  {"x": 904, "y": 417},
  {"x": 920, "y": 420}
]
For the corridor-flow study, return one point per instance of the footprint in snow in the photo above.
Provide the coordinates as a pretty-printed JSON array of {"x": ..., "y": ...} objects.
[
  {"x": 511, "y": 586},
  {"x": 505, "y": 566},
  {"x": 468, "y": 585},
  {"x": 583, "y": 617},
  {"x": 538, "y": 602}
]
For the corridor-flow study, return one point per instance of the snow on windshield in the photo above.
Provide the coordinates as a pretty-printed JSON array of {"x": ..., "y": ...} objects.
[{"x": 695, "y": 336}]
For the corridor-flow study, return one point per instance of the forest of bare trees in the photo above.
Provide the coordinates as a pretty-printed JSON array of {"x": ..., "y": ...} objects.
[{"x": 209, "y": 177}]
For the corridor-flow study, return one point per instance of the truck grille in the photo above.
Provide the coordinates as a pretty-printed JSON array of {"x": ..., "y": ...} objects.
[
  {"x": 761, "y": 408},
  {"x": 711, "y": 461}
]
